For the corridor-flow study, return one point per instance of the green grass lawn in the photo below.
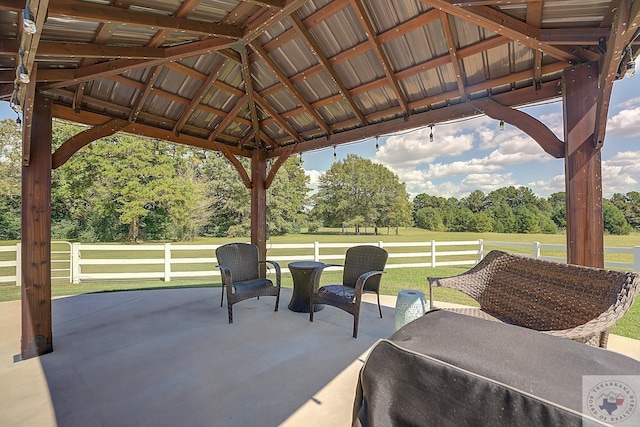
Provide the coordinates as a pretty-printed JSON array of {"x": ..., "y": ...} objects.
[{"x": 393, "y": 281}]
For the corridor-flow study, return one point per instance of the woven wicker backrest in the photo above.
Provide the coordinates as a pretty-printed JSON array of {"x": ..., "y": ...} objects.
[
  {"x": 241, "y": 259},
  {"x": 360, "y": 260},
  {"x": 546, "y": 295}
]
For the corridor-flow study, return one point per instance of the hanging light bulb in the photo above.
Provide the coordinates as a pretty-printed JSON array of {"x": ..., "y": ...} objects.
[
  {"x": 23, "y": 74},
  {"x": 501, "y": 127},
  {"x": 335, "y": 156},
  {"x": 28, "y": 20},
  {"x": 18, "y": 120},
  {"x": 15, "y": 105},
  {"x": 431, "y": 134},
  {"x": 377, "y": 145}
]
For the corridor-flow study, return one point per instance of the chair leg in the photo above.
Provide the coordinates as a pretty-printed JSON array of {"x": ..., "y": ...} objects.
[
  {"x": 355, "y": 325},
  {"x": 277, "y": 301},
  {"x": 222, "y": 294},
  {"x": 379, "y": 309},
  {"x": 230, "y": 310},
  {"x": 311, "y": 307}
]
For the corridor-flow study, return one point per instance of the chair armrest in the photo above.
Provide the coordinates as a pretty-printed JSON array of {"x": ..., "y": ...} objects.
[
  {"x": 363, "y": 279},
  {"x": 226, "y": 276},
  {"x": 276, "y": 266}
]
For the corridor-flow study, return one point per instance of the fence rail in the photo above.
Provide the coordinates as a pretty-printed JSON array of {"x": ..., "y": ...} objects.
[{"x": 86, "y": 262}]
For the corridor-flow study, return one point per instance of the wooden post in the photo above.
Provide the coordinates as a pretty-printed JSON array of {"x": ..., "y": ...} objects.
[
  {"x": 259, "y": 204},
  {"x": 36, "y": 235},
  {"x": 583, "y": 168}
]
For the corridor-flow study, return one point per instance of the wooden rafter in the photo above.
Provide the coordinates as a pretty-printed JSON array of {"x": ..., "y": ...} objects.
[
  {"x": 238, "y": 165},
  {"x": 198, "y": 95},
  {"x": 290, "y": 86},
  {"x": 248, "y": 88},
  {"x": 316, "y": 49},
  {"x": 268, "y": 20},
  {"x": 382, "y": 58},
  {"x": 277, "y": 118},
  {"x": 154, "y": 72},
  {"x": 99, "y": 13},
  {"x": 183, "y": 11},
  {"x": 610, "y": 65},
  {"x": 508, "y": 26},
  {"x": 111, "y": 68},
  {"x": 451, "y": 43},
  {"x": 534, "y": 18},
  {"x": 78, "y": 50},
  {"x": 229, "y": 117}
]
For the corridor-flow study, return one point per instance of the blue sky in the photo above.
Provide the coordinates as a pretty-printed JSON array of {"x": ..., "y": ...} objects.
[{"x": 474, "y": 154}]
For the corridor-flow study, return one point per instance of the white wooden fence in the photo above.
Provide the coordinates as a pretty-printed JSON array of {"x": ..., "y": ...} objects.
[{"x": 86, "y": 262}]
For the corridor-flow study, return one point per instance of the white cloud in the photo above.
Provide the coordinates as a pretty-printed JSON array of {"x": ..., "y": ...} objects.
[
  {"x": 486, "y": 182},
  {"x": 414, "y": 148},
  {"x": 625, "y": 124},
  {"x": 544, "y": 188},
  {"x": 313, "y": 175},
  {"x": 621, "y": 173}
]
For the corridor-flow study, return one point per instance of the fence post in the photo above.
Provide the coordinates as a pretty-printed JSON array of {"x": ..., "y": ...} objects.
[
  {"x": 167, "y": 262},
  {"x": 636, "y": 258},
  {"x": 433, "y": 253},
  {"x": 480, "y": 249},
  {"x": 18, "y": 264},
  {"x": 316, "y": 251},
  {"x": 536, "y": 250},
  {"x": 75, "y": 263},
  {"x": 380, "y": 243}
]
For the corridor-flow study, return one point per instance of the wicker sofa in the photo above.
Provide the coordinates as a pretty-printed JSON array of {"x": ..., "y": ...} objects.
[{"x": 569, "y": 301}]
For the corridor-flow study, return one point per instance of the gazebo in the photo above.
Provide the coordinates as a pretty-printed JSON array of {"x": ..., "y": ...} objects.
[{"x": 266, "y": 79}]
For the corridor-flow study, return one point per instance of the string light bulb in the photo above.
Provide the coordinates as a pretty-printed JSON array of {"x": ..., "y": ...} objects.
[
  {"x": 501, "y": 127},
  {"x": 431, "y": 134},
  {"x": 29, "y": 20},
  {"x": 377, "y": 144},
  {"x": 15, "y": 105},
  {"x": 630, "y": 68},
  {"x": 335, "y": 156},
  {"x": 23, "y": 74}
]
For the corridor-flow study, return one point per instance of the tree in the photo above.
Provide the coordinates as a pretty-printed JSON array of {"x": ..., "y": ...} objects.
[
  {"x": 614, "y": 220},
  {"x": 429, "y": 218},
  {"x": 475, "y": 201},
  {"x": 10, "y": 179},
  {"x": 362, "y": 191}
]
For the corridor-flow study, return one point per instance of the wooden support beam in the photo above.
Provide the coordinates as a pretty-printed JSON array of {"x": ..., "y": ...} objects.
[
  {"x": 453, "y": 56},
  {"x": 529, "y": 125},
  {"x": 229, "y": 117},
  {"x": 248, "y": 88},
  {"x": 76, "y": 142},
  {"x": 37, "y": 337},
  {"x": 277, "y": 118},
  {"x": 81, "y": 50},
  {"x": 259, "y": 204},
  {"x": 286, "y": 153},
  {"x": 144, "y": 94},
  {"x": 534, "y": 18},
  {"x": 583, "y": 168}
]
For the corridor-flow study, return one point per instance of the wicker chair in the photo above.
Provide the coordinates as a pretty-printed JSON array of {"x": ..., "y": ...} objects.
[
  {"x": 363, "y": 268},
  {"x": 569, "y": 301},
  {"x": 239, "y": 266}
]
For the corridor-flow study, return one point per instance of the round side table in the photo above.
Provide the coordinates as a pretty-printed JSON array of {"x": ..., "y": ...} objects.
[
  {"x": 301, "y": 274},
  {"x": 410, "y": 305}
]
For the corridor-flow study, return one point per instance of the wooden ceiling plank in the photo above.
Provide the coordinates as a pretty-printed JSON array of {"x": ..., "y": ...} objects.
[
  {"x": 96, "y": 51},
  {"x": 100, "y": 13},
  {"x": 290, "y": 86},
  {"x": 197, "y": 96},
  {"x": 573, "y": 36},
  {"x": 451, "y": 43},
  {"x": 382, "y": 58},
  {"x": 316, "y": 49}
]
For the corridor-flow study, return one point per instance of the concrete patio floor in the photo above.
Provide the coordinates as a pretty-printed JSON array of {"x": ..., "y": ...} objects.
[{"x": 169, "y": 358}]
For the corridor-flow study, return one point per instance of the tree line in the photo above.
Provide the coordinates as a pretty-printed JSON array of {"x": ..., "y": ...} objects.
[{"x": 128, "y": 188}]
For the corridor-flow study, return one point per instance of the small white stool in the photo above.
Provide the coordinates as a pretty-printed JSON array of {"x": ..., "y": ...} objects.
[{"x": 410, "y": 305}]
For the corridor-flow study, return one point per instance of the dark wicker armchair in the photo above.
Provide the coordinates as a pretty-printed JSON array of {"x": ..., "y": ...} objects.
[
  {"x": 565, "y": 300},
  {"x": 363, "y": 268},
  {"x": 239, "y": 266}
]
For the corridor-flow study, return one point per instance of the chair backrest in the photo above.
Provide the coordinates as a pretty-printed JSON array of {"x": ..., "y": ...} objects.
[
  {"x": 241, "y": 259},
  {"x": 360, "y": 260},
  {"x": 547, "y": 295}
]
